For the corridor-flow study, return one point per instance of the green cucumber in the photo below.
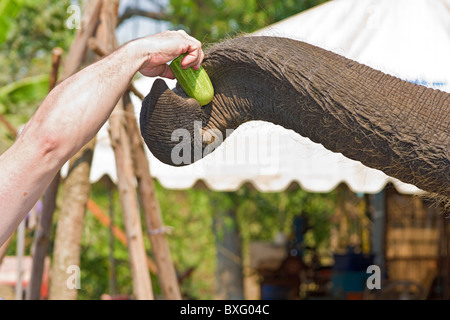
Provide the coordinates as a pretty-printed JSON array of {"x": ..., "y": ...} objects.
[{"x": 195, "y": 83}]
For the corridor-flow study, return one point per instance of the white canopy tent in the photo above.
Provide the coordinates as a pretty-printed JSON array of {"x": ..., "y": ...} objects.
[{"x": 405, "y": 38}]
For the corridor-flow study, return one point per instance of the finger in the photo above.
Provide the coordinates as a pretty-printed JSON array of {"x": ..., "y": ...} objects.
[
  {"x": 202, "y": 56},
  {"x": 194, "y": 50},
  {"x": 193, "y": 58}
]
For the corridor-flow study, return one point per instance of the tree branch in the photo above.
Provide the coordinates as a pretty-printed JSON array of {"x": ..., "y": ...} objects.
[{"x": 131, "y": 12}]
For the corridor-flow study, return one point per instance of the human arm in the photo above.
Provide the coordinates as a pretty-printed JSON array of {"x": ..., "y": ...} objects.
[{"x": 73, "y": 113}]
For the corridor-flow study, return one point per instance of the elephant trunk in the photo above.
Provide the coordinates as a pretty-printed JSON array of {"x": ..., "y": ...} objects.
[{"x": 386, "y": 123}]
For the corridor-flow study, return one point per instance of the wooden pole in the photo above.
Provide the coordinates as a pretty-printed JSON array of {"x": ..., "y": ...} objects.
[
  {"x": 56, "y": 60},
  {"x": 166, "y": 271},
  {"x": 142, "y": 288},
  {"x": 42, "y": 233},
  {"x": 76, "y": 186}
]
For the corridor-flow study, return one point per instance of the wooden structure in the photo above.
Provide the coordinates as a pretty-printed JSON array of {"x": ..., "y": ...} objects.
[{"x": 97, "y": 35}]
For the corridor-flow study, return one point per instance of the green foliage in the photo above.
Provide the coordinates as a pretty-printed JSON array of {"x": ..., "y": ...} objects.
[
  {"x": 18, "y": 95},
  {"x": 8, "y": 12},
  {"x": 192, "y": 241},
  {"x": 38, "y": 28},
  {"x": 212, "y": 20},
  {"x": 262, "y": 215}
]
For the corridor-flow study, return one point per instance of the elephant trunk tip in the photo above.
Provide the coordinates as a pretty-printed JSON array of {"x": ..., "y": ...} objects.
[{"x": 168, "y": 122}]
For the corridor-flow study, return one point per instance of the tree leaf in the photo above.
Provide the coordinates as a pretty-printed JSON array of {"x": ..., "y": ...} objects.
[{"x": 29, "y": 89}]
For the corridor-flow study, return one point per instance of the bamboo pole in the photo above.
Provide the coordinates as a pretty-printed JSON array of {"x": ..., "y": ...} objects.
[
  {"x": 166, "y": 271},
  {"x": 76, "y": 185},
  {"x": 142, "y": 288},
  {"x": 42, "y": 233}
]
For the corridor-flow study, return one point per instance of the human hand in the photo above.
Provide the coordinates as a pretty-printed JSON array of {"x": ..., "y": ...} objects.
[{"x": 160, "y": 48}]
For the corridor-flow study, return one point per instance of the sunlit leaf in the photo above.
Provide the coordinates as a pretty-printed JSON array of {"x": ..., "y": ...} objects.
[{"x": 29, "y": 89}]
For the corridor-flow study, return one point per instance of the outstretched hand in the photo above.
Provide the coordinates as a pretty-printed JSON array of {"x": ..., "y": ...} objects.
[{"x": 163, "y": 47}]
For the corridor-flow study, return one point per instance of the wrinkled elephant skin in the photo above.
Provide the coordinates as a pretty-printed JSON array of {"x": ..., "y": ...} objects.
[{"x": 398, "y": 127}]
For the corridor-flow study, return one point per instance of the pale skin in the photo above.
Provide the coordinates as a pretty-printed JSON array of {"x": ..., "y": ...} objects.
[{"x": 74, "y": 112}]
